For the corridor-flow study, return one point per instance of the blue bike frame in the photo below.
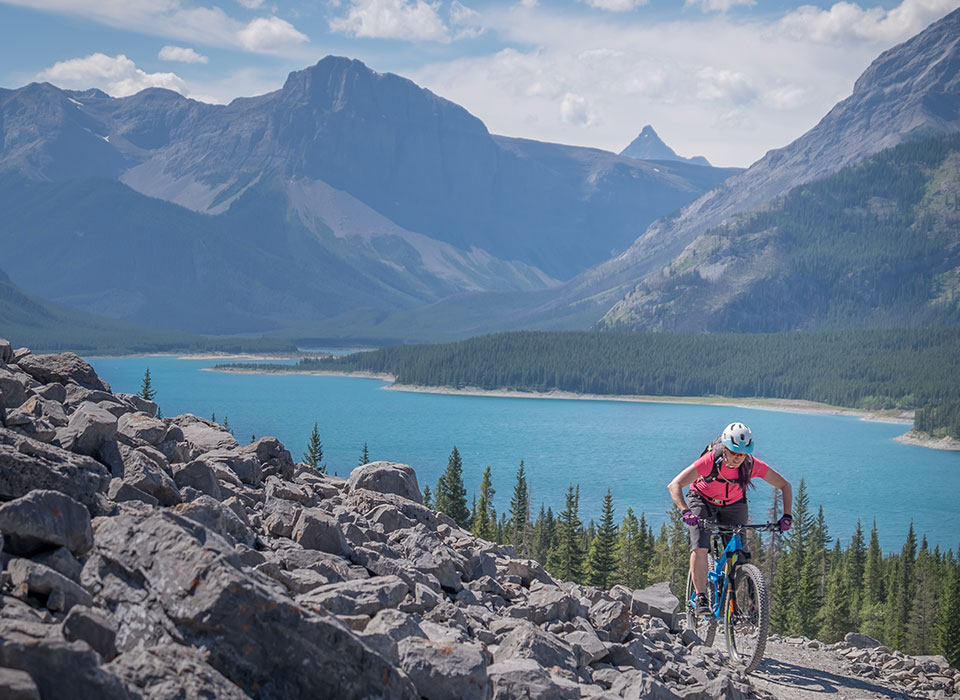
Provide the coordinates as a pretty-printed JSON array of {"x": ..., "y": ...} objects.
[{"x": 725, "y": 563}]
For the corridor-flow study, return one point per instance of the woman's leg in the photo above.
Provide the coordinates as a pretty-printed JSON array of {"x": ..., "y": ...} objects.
[
  {"x": 699, "y": 541},
  {"x": 698, "y": 569}
]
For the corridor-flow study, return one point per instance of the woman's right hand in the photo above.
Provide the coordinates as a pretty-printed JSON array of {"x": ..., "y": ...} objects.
[{"x": 690, "y": 518}]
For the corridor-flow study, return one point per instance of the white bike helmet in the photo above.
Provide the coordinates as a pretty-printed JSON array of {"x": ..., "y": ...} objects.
[{"x": 738, "y": 438}]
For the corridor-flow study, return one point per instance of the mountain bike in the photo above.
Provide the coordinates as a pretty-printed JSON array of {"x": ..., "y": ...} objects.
[{"x": 737, "y": 595}]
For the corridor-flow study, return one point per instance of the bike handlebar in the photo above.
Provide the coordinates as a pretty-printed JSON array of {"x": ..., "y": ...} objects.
[{"x": 717, "y": 527}]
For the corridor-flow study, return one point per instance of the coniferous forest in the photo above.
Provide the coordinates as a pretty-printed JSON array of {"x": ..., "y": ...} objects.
[
  {"x": 909, "y": 368},
  {"x": 819, "y": 587}
]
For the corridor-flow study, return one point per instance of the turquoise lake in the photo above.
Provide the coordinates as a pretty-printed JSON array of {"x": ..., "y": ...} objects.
[{"x": 852, "y": 468}]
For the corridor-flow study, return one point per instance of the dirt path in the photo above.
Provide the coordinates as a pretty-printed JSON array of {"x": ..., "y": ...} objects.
[{"x": 793, "y": 672}]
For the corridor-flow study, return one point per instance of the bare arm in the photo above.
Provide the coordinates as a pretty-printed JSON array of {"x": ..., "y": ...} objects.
[
  {"x": 675, "y": 487},
  {"x": 775, "y": 479}
]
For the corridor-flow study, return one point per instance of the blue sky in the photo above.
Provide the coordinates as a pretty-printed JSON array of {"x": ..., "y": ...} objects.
[{"x": 727, "y": 79}]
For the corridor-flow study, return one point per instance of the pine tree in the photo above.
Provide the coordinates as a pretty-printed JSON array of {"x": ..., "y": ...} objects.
[
  {"x": 806, "y": 599},
  {"x": 451, "y": 496},
  {"x": 602, "y": 560},
  {"x": 253, "y": 438},
  {"x": 629, "y": 572},
  {"x": 226, "y": 424},
  {"x": 854, "y": 565},
  {"x": 566, "y": 558},
  {"x": 364, "y": 456},
  {"x": 544, "y": 534},
  {"x": 900, "y": 595},
  {"x": 485, "y": 521},
  {"x": 314, "y": 454},
  {"x": 923, "y": 609},
  {"x": 427, "y": 498},
  {"x": 213, "y": 417},
  {"x": 147, "y": 392},
  {"x": 834, "y": 617},
  {"x": 785, "y": 582},
  {"x": 947, "y": 631},
  {"x": 519, "y": 523}
]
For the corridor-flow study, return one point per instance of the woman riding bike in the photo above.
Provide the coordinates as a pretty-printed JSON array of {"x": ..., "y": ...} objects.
[{"x": 720, "y": 478}]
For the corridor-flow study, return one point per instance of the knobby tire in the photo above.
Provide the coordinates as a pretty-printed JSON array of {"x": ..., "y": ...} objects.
[
  {"x": 704, "y": 626},
  {"x": 746, "y": 617}
]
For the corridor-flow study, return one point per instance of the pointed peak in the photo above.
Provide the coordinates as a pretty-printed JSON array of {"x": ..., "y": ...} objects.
[{"x": 649, "y": 146}]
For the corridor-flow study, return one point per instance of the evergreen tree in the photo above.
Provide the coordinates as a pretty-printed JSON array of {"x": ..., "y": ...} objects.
[
  {"x": 226, "y": 424},
  {"x": 485, "y": 520},
  {"x": 253, "y": 438},
  {"x": 147, "y": 391},
  {"x": 519, "y": 523},
  {"x": 544, "y": 534},
  {"x": 854, "y": 564},
  {"x": 314, "y": 455},
  {"x": 806, "y": 598},
  {"x": 602, "y": 560},
  {"x": 834, "y": 617},
  {"x": 900, "y": 595},
  {"x": 785, "y": 582},
  {"x": 159, "y": 413},
  {"x": 427, "y": 498},
  {"x": 213, "y": 417},
  {"x": 364, "y": 456},
  {"x": 947, "y": 631},
  {"x": 923, "y": 609},
  {"x": 566, "y": 558},
  {"x": 451, "y": 496},
  {"x": 629, "y": 570}
]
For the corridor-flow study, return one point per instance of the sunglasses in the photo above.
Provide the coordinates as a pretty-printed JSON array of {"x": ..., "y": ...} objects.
[{"x": 731, "y": 453}]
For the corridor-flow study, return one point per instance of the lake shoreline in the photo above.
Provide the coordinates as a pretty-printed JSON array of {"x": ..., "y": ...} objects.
[{"x": 790, "y": 405}]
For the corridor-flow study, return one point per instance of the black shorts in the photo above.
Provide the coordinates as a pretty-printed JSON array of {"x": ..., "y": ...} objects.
[{"x": 730, "y": 514}]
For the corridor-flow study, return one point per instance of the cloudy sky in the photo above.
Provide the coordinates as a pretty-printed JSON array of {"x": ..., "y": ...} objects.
[{"x": 727, "y": 79}]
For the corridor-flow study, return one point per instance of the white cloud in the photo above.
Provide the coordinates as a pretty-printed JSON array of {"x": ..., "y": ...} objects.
[
  {"x": 250, "y": 4},
  {"x": 182, "y": 54},
  {"x": 721, "y": 85},
  {"x": 615, "y": 5},
  {"x": 718, "y": 5},
  {"x": 116, "y": 75},
  {"x": 575, "y": 110},
  {"x": 413, "y": 20},
  {"x": 847, "y": 21},
  {"x": 466, "y": 20},
  {"x": 178, "y": 20},
  {"x": 270, "y": 35}
]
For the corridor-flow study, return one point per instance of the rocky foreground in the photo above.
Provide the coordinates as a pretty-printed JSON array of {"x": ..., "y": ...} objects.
[{"x": 157, "y": 558}]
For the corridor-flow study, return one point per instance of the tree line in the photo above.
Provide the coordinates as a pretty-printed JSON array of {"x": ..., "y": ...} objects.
[
  {"x": 818, "y": 588},
  {"x": 907, "y": 368}
]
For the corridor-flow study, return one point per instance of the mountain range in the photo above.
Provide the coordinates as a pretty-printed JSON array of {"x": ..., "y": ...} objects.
[
  {"x": 356, "y": 204},
  {"x": 346, "y": 191}
]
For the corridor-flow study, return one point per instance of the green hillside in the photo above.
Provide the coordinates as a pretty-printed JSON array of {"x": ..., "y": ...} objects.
[{"x": 876, "y": 245}]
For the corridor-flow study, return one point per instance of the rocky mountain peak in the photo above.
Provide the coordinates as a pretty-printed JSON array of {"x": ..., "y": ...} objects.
[{"x": 649, "y": 146}]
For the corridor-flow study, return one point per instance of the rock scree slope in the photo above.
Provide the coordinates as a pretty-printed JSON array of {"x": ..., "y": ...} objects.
[{"x": 148, "y": 557}]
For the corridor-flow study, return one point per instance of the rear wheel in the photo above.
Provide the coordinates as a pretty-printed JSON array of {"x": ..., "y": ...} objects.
[
  {"x": 746, "y": 617},
  {"x": 704, "y": 625}
]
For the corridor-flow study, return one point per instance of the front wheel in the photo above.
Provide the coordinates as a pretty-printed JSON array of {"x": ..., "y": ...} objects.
[
  {"x": 746, "y": 617},
  {"x": 704, "y": 625}
]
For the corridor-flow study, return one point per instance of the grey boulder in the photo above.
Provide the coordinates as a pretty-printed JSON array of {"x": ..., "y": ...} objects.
[
  {"x": 43, "y": 519},
  {"x": 386, "y": 477},
  {"x": 59, "y": 592},
  {"x": 62, "y": 368},
  {"x": 444, "y": 671}
]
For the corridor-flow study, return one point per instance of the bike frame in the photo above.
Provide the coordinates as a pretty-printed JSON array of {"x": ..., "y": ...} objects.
[{"x": 726, "y": 560}]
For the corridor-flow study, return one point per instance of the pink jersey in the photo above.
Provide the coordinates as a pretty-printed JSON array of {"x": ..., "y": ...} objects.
[{"x": 725, "y": 488}]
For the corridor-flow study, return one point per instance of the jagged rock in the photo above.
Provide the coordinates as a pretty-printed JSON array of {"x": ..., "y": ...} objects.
[
  {"x": 261, "y": 638},
  {"x": 529, "y": 571},
  {"x": 364, "y": 597},
  {"x": 274, "y": 487},
  {"x": 139, "y": 403},
  {"x": 386, "y": 477},
  {"x": 279, "y": 517},
  {"x": 147, "y": 469},
  {"x": 141, "y": 427},
  {"x": 274, "y": 458},
  {"x": 59, "y": 592},
  {"x": 587, "y": 646},
  {"x": 613, "y": 617},
  {"x": 547, "y": 603},
  {"x": 528, "y": 641},
  {"x": 314, "y": 529},
  {"x": 639, "y": 685},
  {"x": 173, "y": 671},
  {"x": 201, "y": 436},
  {"x": 245, "y": 465},
  {"x": 444, "y": 672},
  {"x": 89, "y": 428},
  {"x": 198, "y": 475},
  {"x": 62, "y": 368},
  {"x": 525, "y": 678},
  {"x": 860, "y": 641},
  {"x": 13, "y": 387},
  {"x": 52, "y": 392},
  {"x": 17, "y": 685},
  {"x": 388, "y": 518},
  {"x": 429, "y": 555},
  {"x": 42, "y": 519},
  {"x": 211, "y": 513},
  {"x": 6, "y": 351},
  {"x": 86, "y": 624},
  {"x": 122, "y": 492},
  {"x": 61, "y": 561},
  {"x": 657, "y": 600}
]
